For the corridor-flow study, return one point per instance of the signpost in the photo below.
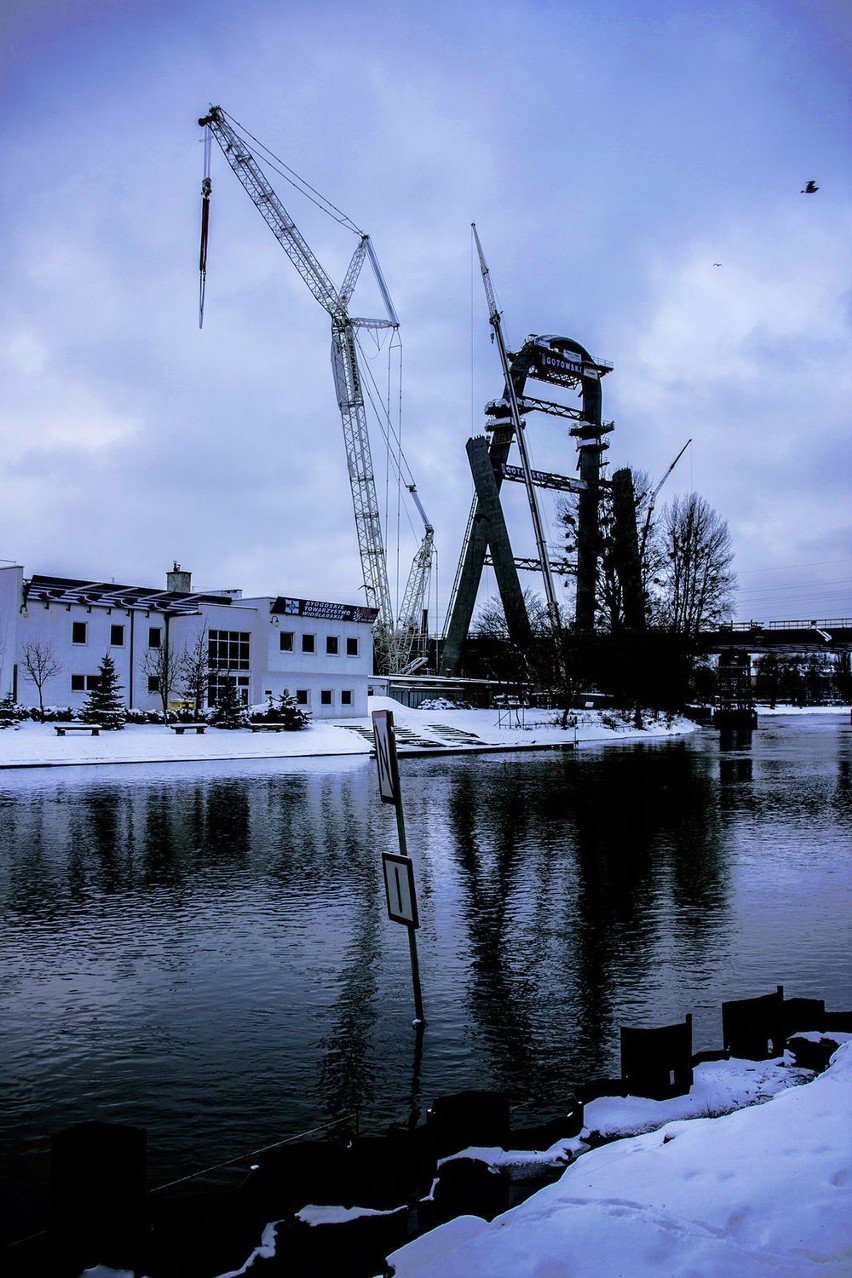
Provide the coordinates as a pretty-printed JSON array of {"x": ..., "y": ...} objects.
[{"x": 398, "y": 869}]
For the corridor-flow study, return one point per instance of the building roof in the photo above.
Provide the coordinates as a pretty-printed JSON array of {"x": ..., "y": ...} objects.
[{"x": 102, "y": 594}]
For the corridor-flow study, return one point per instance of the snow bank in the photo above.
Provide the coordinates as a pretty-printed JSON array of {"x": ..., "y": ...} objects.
[
  {"x": 765, "y": 1190},
  {"x": 36, "y": 744}
]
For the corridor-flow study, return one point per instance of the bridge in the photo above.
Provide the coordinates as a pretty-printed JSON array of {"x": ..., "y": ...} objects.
[{"x": 821, "y": 635}]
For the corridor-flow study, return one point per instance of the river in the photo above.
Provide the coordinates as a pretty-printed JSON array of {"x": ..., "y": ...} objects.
[{"x": 203, "y": 950}]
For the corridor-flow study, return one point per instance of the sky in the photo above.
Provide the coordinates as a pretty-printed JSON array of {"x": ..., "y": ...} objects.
[{"x": 611, "y": 155}]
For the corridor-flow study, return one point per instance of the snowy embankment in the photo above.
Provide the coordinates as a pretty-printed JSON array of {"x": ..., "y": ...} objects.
[
  {"x": 765, "y": 1190},
  {"x": 37, "y": 745}
]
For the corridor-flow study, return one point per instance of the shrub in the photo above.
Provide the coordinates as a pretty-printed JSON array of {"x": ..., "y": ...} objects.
[
  {"x": 10, "y": 709},
  {"x": 285, "y": 710}
]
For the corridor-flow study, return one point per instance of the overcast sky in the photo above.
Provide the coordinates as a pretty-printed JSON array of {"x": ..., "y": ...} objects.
[{"x": 611, "y": 154}]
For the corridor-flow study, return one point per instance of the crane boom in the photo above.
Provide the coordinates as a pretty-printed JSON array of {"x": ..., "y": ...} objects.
[
  {"x": 272, "y": 210},
  {"x": 541, "y": 545},
  {"x": 646, "y": 527},
  {"x": 393, "y": 642}
]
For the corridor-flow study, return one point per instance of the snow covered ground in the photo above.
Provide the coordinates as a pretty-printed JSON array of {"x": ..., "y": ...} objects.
[
  {"x": 37, "y": 745},
  {"x": 762, "y": 1187},
  {"x": 765, "y": 1190}
]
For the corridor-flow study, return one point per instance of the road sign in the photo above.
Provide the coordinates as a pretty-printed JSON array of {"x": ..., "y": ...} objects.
[
  {"x": 383, "y": 735},
  {"x": 399, "y": 888},
  {"x": 398, "y": 870}
]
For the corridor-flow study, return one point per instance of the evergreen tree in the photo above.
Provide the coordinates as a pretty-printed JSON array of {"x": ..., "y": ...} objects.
[
  {"x": 288, "y": 711},
  {"x": 103, "y": 705},
  {"x": 229, "y": 711}
]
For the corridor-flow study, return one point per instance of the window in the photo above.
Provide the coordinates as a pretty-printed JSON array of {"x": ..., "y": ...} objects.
[
  {"x": 78, "y": 683},
  {"x": 92, "y": 681},
  {"x": 302, "y": 697},
  {"x": 229, "y": 649},
  {"x": 217, "y": 686},
  {"x": 155, "y": 636},
  {"x": 153, "y": 683},
  {"x": 309, "y": 643},
  {"x": 116, "y": 636},
  {"x": 332, "y": 645},
  {"x": 78, "y": 631},
  {"x": 346, "y": 697},
  {"x": 285, "y": 641},
  {"x": 352, "y": 647},
  {"x": 326, "y": 697}
]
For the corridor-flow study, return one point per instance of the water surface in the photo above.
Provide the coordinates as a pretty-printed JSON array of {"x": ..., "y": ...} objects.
[{"x": 203, "y": 951}]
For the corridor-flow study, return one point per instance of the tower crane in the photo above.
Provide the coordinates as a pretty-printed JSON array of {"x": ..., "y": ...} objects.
[{"x": 393, "y": 641}]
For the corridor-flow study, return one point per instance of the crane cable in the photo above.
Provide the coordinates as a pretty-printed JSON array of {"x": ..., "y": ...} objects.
[{"x": 298, "y": 183}]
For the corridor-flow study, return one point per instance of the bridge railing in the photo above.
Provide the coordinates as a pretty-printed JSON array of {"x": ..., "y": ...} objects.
[{"x": 831, "y": 623}]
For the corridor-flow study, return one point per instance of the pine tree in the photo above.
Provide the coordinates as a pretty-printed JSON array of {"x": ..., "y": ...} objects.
[
  {"x": 229, "y": 711},
  {"x": 103, "y": 705},
  {"x": 288, "y": 711}
]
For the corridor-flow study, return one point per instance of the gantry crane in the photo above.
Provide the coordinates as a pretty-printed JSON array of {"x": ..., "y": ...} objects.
[{"x": 394, "y": 642}]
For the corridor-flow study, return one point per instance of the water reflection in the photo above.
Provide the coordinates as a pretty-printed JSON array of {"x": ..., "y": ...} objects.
[
  {"x": 207, "y": 955},
  {"x": 568, "y": 879}
]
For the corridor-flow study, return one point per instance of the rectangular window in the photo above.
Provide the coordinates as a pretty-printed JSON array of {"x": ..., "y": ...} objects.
[
  {"x": 302, "y": 697},
  {"x": 285, "y": 641},
  {"x": 116, "y": 636},
  {"x": 309, "y": 643},
  {"x": 352, "y": 647},
  {"x": 229, "y": 649},
  {"x": 78, "y": 683},
  {"x": 155, "y": 636},
  {"x": 326, "y": 697},
  {"x": 153, "y": 683},
  {"x": 78, "y": 631},
  {"x": 346, "y": 697},
  {"x": 332, "y": 645},
  {"x": 92, "y": 681}
]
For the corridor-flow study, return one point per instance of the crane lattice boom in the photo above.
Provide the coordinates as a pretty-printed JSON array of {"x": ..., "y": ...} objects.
[{"x": 393, "y": 642}]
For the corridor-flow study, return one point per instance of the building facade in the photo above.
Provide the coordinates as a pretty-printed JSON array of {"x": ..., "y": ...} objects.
[{"x": 320, "y": 652}]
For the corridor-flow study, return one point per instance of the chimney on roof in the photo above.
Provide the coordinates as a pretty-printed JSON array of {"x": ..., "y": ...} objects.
[{"x": 178, "y": 581}]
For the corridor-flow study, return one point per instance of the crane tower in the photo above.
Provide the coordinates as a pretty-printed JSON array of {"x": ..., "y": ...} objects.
[{"x": 394, "y": 639}]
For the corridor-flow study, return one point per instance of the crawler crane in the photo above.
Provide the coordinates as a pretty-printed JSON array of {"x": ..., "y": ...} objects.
[{"x": 394, "y": 640}]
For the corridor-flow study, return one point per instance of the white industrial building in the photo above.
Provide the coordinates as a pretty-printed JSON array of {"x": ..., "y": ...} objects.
[{"x": 322, "y": 653}]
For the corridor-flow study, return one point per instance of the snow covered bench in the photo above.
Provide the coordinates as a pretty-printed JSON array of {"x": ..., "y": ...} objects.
[
  {"x": 269, "y": 726},
  {"x": 62, "y": 728},
  {"x": 181, "y": 728}
]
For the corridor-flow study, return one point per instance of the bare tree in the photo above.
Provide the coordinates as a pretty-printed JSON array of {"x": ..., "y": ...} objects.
[
  {"x": 697, "y": 583},
  {"x": 163, "y": 666},
  {"x": 40, "y": 663},
  {"x": 196, "y": 671},
  {"x": 491, "y": 619}
]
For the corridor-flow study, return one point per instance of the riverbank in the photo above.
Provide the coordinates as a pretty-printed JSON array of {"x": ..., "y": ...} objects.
[
  {"x": 765, "y": 1189},
  {"x": 440, "y": 730}
]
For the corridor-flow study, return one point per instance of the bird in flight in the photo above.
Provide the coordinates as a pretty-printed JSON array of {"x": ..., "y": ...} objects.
[{"x": 810, "y": 189}]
